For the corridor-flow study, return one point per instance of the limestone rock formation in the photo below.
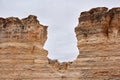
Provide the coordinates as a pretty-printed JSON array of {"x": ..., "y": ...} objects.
[
  {"x": 98, "y": 36},
  {"x": 22, "y": 56},
  {"x": 59, "y": 66}
]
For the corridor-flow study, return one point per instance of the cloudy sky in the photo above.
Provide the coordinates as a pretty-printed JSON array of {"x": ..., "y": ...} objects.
[{"x": 60, "y": 15}]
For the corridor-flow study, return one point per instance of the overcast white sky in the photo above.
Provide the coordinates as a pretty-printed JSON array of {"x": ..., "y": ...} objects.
[{"x": 60, "y": 15}]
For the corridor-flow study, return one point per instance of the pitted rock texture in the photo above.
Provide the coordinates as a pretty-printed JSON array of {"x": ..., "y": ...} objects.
[
  {"x": 98, "y": 40},
  {"x": 22, "y": 56},
  {"x": 99, "y": 25},
  {"x": 24, "y": 30}
]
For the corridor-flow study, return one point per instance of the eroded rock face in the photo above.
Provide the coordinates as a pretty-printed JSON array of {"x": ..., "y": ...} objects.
[
  {"x": 98, "y": 35},
  {"x": 55, "y": 64},
  {"x": 98, "y": 24},
  {"x": 22, "y": 56},
  {"x": 26, "y": 30}
]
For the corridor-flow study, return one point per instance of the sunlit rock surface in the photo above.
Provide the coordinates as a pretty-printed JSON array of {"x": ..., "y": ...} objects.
[
  {"x": 98, "y": 36},
  {"x": 22, "y": 56},
  {"x": 98, "y": 40}
]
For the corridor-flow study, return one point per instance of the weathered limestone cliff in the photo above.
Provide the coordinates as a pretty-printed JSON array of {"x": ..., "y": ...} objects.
[
  {"x": 98, "y": 35},
  {"x": 22, "y": 56}
]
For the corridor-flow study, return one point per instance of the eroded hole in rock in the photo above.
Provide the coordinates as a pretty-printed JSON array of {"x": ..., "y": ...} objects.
[{"x": 22, "y": 57}]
